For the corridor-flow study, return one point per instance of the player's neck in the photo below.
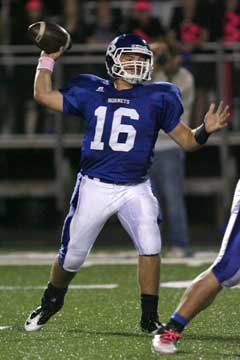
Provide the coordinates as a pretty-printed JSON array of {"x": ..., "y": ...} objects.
[{"x": 120, "y": 84}]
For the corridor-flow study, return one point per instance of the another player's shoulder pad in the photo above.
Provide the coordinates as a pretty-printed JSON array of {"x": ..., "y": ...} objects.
[{"x": 88, "y": 81}]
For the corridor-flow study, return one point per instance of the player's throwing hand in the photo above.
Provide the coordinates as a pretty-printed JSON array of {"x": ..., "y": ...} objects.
[
  {"x": 54, "y": 55},
  {"x": 216, "y": 120}
]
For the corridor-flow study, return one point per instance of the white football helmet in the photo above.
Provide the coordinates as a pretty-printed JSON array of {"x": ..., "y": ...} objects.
[{"x": 134, "y": 71}]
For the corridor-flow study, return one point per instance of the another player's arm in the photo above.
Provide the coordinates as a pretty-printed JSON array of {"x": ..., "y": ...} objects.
[
  {"x": 192, "y": 139},
  {"x": 43, "y": 91}
]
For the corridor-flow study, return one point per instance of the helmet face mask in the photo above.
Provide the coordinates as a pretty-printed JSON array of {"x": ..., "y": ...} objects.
[{"x": 133, "y": 71}]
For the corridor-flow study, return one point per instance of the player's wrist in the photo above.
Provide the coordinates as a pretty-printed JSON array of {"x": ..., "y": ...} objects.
[
  {"x": 201, "y": 135},
  {"x": 46, "y": 63}
]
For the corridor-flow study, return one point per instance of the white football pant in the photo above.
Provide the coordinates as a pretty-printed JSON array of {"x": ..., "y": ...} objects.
[{"x": 93, "y": 203}]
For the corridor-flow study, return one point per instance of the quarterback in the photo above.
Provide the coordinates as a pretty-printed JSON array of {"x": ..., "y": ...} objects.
[{"x": 123, "y": 117}]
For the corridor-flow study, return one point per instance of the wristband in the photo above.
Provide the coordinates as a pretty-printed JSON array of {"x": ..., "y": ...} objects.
[
  {"x": 46, "y": 62},
  {"x": 201, "y": 135}
]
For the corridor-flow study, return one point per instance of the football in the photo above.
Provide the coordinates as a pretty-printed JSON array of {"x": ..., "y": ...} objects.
[{"x": 49, "y": 37}]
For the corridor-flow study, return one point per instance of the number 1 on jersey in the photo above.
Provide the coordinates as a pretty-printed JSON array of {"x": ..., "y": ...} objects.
[
  {"x": 117, "y": 128},
  {"x": 100, "y": 113}
]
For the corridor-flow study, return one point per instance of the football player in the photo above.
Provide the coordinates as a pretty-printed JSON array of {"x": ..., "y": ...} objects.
[
  {"x": 123, "y": 116},
  {"x": 223, "y": 273}
]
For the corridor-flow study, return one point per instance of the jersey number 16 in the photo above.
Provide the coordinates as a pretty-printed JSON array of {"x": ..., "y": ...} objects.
[{"x": 117, "y": 128}]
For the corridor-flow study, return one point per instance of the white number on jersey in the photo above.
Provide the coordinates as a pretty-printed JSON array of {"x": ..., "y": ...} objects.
[{"x": 117, "y": 129}]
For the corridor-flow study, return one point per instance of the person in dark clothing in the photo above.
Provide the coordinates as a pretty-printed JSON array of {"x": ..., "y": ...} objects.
[
  {"x": 189, "y": 29},
  {"x": 143, "y": 23},
  {"x": 231, "y": 35},
  {"x": 26, "y": 113}
]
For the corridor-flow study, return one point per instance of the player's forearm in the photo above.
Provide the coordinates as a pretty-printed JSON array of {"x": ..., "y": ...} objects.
[
  {"x": 43, "y": 91},
  {"x": 187, "y": 138},
  {"x": 42, "y": 84},
  {"x": 190, "y": 143},
  {"x": 196, "y": 138}
]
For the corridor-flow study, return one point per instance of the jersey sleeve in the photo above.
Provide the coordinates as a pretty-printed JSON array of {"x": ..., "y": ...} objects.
[
  {"x": 74, "y": 97},
  {"x": 172, "y": 109}
]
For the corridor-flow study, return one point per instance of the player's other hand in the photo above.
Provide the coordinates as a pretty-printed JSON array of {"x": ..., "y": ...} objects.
[
  {"x": 216, "y": 119},
  {"x": 55, "y": 55}
]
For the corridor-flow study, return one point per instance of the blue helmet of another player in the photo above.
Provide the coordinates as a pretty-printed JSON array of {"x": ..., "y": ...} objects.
[{"x": 120, "y": 64}]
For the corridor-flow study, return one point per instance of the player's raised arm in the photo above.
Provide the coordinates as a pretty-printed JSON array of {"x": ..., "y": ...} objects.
[
  {"x": 43, "y": 91},
  {"x": 192, "y": 139}
]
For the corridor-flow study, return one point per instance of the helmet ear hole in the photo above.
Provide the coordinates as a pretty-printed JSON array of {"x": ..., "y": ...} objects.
[{"x": 132, "y": 71}]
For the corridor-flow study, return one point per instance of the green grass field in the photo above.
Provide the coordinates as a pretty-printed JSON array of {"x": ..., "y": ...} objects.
[{"x": 102, "y": 324}]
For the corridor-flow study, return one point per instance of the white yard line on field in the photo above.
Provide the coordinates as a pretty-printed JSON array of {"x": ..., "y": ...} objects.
[
  {"x": 183, "y": 284},
  {"x": 100, "y": 258},
  {"x": 74, "y": 287},
  {"x": 5, "y": 327}
]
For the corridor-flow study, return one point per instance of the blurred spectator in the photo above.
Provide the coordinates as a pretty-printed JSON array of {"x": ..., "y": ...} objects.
[
  {"x": 72, "y": 22},
  {"x": 28, "y": 114},
  {"x": 33, "y": 11},
  {"x": 168, "y": 67},
  {"x": 143, "y": 23},
  {"x": 4, "y": 74},
  {"x": 104, "y": 28},
  {"x": 66, "y": 13},
  {"x": 190, "y": 27},
  {"x": 63, "y": 12},
  {"x": 231, "y": 21},
  {"x": 167, "y": 173},
  {"x": 231, "y": 35},
  {"x": 215, "y": 10}
]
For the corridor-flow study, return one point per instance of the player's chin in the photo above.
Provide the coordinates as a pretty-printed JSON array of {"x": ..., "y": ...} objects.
[{"x": 132, "y": 72}]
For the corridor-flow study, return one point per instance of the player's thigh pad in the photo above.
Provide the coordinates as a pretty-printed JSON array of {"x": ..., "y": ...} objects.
[
  {"x": 139, "y": 215},
  {"x": 227, "y": 265},
  {"x": 89, "y": 210}
]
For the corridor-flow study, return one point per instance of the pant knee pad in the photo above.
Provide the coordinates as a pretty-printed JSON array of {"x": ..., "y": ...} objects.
[
  {"x": 155, "y": 249},
  {"x": 74, "y": 260}
]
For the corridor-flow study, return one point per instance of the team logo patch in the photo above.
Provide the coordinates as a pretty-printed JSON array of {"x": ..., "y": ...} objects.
[{"x": 100, "y": 89}]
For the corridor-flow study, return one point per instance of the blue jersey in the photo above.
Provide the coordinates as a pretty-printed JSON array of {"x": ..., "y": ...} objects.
[{"x": 122, "y": 125}]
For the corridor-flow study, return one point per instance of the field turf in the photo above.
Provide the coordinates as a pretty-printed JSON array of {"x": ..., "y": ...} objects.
[{"x": 102, "y": 324}]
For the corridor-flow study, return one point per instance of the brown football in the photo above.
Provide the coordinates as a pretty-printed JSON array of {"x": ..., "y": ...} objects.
[{"x": 49, "y": 37}]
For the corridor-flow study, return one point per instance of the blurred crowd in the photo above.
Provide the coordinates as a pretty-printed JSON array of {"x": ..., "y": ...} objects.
[
  {"x": 177, "y": 30},
  {"x": 184, "y": 25}
]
